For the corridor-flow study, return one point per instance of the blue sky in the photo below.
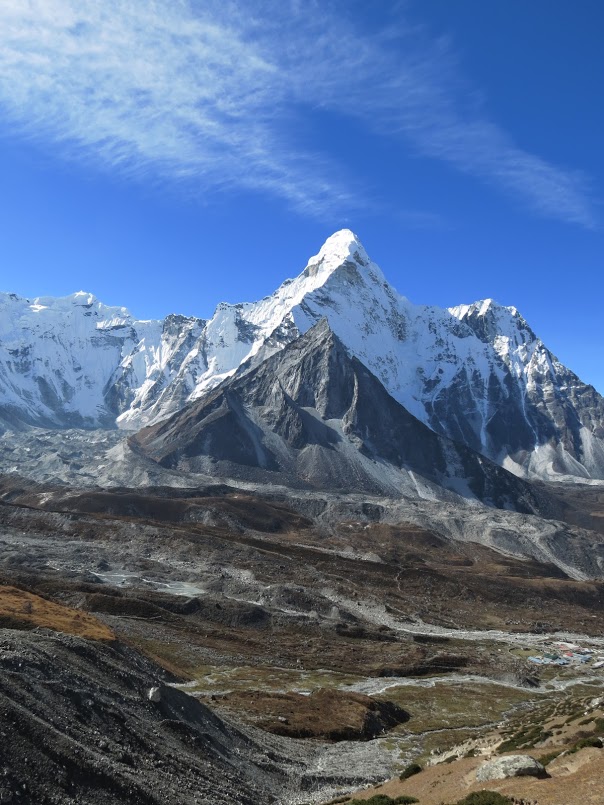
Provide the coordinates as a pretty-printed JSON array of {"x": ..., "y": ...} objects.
[{"x": 172, "y": 154}]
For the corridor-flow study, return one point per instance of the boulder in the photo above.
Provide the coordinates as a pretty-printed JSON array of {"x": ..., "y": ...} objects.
[
  {"x": 510, "y": 766},
  {"x": 154, "y": 695}
]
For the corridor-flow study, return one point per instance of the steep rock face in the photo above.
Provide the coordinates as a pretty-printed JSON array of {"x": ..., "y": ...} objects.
[
  {"x": 476, "y": 373},
  {"x": 549, "y": 422},
  {"x": 312, "y": 415}
]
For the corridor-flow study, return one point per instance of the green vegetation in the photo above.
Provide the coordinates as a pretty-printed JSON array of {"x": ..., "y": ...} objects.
[
  {"x": 448, "y": 715},
  {"x": 173, "y": 656},
  {"x": 382, "y": 799},
  {"x": 592, "y": 740},
  {"x": 216, "y": 679},
  {"x": 485, "y": 798},
  {"x": 451, "y": 705},
  {"x": 413, "y": 768},
  {"x": 439, "y": 741},
  {"x": 545, "y": 759},
  {"x": 525, "y": 738}
]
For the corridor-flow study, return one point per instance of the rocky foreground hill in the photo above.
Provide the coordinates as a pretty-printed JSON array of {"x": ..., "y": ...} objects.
[{"x": 312, "y": 654}]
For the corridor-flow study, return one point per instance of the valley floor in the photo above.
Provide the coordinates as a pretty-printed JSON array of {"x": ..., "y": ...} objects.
[{"x": 328, "y": 653}]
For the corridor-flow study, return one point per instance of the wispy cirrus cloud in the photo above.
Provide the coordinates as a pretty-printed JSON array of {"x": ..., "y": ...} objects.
[{"x": 218, "y": 93}]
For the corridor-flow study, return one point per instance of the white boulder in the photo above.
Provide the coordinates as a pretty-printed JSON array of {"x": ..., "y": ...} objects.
[{"x": 510, "y": 766}]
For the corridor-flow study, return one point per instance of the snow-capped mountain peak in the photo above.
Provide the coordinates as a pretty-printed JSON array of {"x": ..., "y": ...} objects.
[
  {"x": 343, "y": 254},
  {"x": 343, "y": 246},
  {"x": 476, "y": 373},
  {"x": 489, "y": 320}
]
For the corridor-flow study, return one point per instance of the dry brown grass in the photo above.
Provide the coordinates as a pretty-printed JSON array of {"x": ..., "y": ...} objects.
[
  {"x": 577, "y": 781},
  {"x": 23, "y": 610},
  {"x": 576, "y": 774},
  {"x": 171, "y": 656}
]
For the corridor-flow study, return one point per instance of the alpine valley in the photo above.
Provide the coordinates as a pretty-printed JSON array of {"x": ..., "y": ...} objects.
[{"x": 277, "y": 555}]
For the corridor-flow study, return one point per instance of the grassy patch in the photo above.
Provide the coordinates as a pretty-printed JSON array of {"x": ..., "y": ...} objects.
[
  {"x": 222, "y": 679},
  {"x": 382, "y": 799},
  {"x": 545, "y": 759},
  {"x": 412, "y": 768},
  {"x": 452, "y": 706},
  {"x": 23, "y": 610},
  {"x": 170, "y": 655},
  {"x": 525, "y": 738},
  {"x": 591, "y": 741},
  {"x": 442, "y": 742},
  {"x": 485, "y": 798}
]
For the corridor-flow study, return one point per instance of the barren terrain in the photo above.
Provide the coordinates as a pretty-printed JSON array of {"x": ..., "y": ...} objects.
[{"x": 342, "y": 648}]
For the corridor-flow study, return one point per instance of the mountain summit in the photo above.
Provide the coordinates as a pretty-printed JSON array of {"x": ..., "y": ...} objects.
[
  {"x": 341, "y": 249},
  {"x": 475, "y": 373}
]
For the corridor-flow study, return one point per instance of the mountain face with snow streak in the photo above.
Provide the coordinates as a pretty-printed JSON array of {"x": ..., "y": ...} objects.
[
  {"x": 475, "y": 373},
  {"x": 306, "y": 418},
  {"x": 543, "y": 418}
]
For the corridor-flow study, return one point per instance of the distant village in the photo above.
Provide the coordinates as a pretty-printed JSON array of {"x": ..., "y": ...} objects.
[{"x": 568, "y": 654}]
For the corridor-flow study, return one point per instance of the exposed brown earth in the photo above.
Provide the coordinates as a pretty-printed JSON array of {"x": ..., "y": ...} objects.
[
  {"x": 332, "y": 715},
  {"x": 582, "y": 504},
  {"x": 275, "y": 592},
  {"x": 410, "y": 570},
  {"x": 237, "y": 634}
]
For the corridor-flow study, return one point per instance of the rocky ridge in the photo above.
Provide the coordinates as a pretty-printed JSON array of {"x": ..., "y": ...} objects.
[
  {"x": 475, "y": 373},
  {"x": 306, "y": 417}
]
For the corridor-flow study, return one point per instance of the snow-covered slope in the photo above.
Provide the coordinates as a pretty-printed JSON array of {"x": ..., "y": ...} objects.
[
  {"x": 306, "y": 418},
  {"x": 543, "y": 418},
  {"x": 74, "y": 361},
  {"x": 476, "y": 373}
]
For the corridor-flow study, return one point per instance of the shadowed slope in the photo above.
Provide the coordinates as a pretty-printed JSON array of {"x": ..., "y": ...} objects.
[{"x": 312, "y": 416}]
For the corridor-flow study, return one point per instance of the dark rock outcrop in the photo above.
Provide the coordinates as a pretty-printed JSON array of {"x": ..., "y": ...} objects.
[{"x": 313, "y": 416}]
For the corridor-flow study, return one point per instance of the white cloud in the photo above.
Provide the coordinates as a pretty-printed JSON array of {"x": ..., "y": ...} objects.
[{"x": 216, "y": 93}]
